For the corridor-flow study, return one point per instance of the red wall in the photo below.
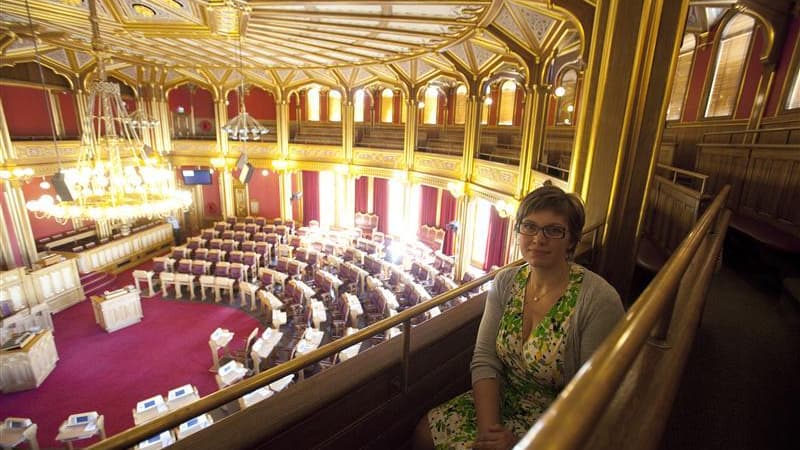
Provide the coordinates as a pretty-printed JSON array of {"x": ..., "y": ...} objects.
[
  {"x": 24, "y": 108},
  {"x": 782, "y": 70},
  {"x": 261, "y": 104},
  {"x": 702, "y": 61},
  {"x": 202, "y": 101},
  {"x": 265, "y": 190},
  {"x": 751, "y": 77},
  {"x": 211, "y": 197},
  {"x": 69, "y": 114},
  {"x": 42, "y": 227}
]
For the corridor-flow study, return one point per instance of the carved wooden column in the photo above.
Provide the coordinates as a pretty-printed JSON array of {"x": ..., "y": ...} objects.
[
  {"x": 621, "y": 121},
  {"x": 15, "y": 201},
  {"x": 410, "y": 137},
  {"x": 225, "y": 176}
]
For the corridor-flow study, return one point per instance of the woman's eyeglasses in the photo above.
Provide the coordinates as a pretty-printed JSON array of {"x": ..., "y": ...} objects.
[{"x": 549, "y": 231}]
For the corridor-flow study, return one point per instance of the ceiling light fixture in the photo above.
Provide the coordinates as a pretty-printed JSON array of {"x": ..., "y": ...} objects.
[
  {"x": 243, "y": 127},
  {"x": 117, "y": 179}
]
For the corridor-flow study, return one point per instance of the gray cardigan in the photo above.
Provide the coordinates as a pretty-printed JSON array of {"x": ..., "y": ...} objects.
[{"x": 597, "y": 310}]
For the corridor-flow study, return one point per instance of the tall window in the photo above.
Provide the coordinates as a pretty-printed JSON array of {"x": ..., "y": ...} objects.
[
  {"x": 334, "y": 106},
  {"x": 403, "y": 110},
  {"x": 396, "y": 201},
  {"x": 461, "y": 105},
  {"x": 681, "y": 80},
  {"x": 312, "y": 100},
  {"x": 387, "y": 105},
  {"x": 508, "y": 92},
  {"x": 793, "y": 101},
  {"x": 327, "y": 199},
  {"x": 358, "y": 105},
  {"x": 487, "y": 104},
  {"x": 431, "y": 106},
  {"x": 731, "y": 60},
  {"x": 566, "y": 103},
  {"x": 478, "y": 252}
]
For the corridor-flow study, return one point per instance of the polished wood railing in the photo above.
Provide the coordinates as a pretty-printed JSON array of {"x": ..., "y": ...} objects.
[
  {"x": 603, "y": 386},
  {"x": 133, "y": 436}
]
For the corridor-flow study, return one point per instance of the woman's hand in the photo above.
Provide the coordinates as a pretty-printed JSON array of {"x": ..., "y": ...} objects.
[{"x": 497, "y": 437}]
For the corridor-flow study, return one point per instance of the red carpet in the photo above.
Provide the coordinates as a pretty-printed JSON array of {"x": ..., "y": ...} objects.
[{"x": 110, "y": 373}]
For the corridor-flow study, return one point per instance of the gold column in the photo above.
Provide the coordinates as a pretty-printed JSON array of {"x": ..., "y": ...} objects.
[
  {"x": 15, "y": 199},
  {"x": 6, "y": 252},
  {"x": 348, "y": 127},
  {"x": 7, "y": 151},
  {"x": 285, "y": 192},
  {"x": 55, "y": 112},
  {"x": 282, "y": 123},
  {"x": 465, "y": 215},
  {"x": 760, "y": 101},
  {"x": 628, "y": 87},
  {"x": 472, "y": 121},
  {"x": 410, "y": 140},
  {"x": 162, "y": 112},
  {"x": 534, "y": 122},
  {"x": 225, "y": 175},
  {"x": 370, "y": 194},
  {"x": 345, "y": 207}
]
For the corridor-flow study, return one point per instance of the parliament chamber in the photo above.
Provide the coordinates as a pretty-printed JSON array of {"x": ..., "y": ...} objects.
[{"x": 294, "y": 212}]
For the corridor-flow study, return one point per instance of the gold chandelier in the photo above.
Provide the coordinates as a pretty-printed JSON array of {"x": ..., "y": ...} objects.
[{"x": 117, "y": 179}]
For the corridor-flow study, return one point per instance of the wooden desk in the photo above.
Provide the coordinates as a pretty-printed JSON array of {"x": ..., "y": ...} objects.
[
  {"x": 264, "y": 346},
  {"x": 255, "y": 397},
  {"x": 27, "y": 367},
  {"x": 220, "y": 338},
  {"x": 118, "y": 309},
  {"x": 12, "y": 437},
  {"x": 69, "y": 434}
]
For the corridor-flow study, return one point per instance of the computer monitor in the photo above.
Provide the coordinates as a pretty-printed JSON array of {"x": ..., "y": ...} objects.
[{"x": 196, "y": 176}]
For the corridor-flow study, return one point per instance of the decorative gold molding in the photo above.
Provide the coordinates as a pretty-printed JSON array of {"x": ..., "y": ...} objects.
[
  {"x": 450, "y": 166},
  {"x": 496, "y": 176},
  {"x": 378, "y": 158}
]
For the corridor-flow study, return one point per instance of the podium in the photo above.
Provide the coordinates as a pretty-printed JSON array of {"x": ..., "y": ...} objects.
[{"x": 117, "y": 309}]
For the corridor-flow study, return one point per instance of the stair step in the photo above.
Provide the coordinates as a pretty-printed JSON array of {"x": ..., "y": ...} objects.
[
  {"x": 99, "y": 288},
  {"x": 88, "y": 277}
]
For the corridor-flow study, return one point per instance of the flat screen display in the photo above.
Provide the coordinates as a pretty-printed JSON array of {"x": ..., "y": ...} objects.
[{"x": 196, "y": 176}]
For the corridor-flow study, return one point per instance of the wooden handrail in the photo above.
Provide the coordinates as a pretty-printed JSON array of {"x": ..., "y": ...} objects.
[
  {"x": 746, "y": 132},
  {"x": 583, "y": 400},
  {"x": 133, "y": 436}
]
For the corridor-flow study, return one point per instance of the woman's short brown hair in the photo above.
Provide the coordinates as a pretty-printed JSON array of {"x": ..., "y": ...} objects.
[{"x": 552, "y": 198}]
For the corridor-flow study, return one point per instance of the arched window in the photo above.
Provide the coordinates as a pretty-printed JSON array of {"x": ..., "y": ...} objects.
[
  {"x": 461, "y": 105},
  {"x": 487, "y": 104},
  {"x": 312, "y": 104},
  {"x": 431, "y": 108},
  {"x": 793, "y": 101},
  {"x": 358, "y": 105},
  {"x": 681, "y": 80},
  {"x": 566, "y": 103},
  {"x": 387, "y": 101},
  {"x": 403, "y": 110},
  {"x": 334, "y": 106},
  {"x": 508, "y": 91},
  {"x": 734, "y": 45}
]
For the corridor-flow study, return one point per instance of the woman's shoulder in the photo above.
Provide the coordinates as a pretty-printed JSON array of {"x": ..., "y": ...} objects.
[
  {"x": 506, "y": 275},
  {"x": 598, "y": 289}
]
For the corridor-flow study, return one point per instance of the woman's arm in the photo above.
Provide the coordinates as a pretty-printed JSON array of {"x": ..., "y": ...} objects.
[{"x": 487, "y": 403}]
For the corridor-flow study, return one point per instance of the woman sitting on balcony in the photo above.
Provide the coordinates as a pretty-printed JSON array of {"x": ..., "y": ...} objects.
[{"x": 541, "y": 322}]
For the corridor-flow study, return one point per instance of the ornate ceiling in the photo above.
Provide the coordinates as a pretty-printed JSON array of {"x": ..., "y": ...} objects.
[
  {"x": 285, "y": 44},
  {"x": 282, "y": 43}
]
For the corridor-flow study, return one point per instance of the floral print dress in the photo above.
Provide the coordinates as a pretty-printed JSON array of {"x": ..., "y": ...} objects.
[{"x": 533, "y": 369}]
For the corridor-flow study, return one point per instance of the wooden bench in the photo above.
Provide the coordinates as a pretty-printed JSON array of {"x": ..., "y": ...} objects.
[
  {"x": 672, "y": 211},
  {"x": 765, "y": 190}
]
